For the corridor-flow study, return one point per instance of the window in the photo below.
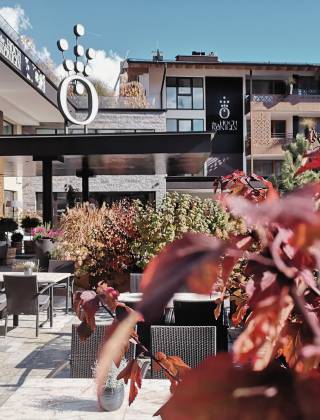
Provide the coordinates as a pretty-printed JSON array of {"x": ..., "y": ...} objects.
[
  {"x": 267, "y": 168},
  {"x": 278, "y": 128},
  {"x": 184, "y": 93},
  {"x": 267, "y": 87},
  {"x": 7, "y": 129},
  {"x": 184, "y": 125}
]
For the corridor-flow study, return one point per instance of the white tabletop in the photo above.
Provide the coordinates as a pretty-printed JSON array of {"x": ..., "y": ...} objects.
[
  {"x": 42, "y": 277},
  {"x": 43, "y": 398},
  {"x": 186, "y": 297}
]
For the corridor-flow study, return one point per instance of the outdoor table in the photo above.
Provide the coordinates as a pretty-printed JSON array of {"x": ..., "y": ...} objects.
[
  {"x": 52, "y": 398},
  {"x": 44, "y": 279}
]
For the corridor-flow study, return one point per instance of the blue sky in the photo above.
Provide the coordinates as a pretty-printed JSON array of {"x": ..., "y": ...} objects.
[
  {"x": 248, "y": 30},
  {"x": 276, "y": 30}
]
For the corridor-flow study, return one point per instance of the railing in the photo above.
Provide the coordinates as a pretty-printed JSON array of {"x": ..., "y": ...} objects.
[
  {"x": 118, "y": 102},
  {"x": 31, "y": 53}
]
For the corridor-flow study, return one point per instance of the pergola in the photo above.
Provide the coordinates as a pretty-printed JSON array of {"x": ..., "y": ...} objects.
[{"x": 173, "y": 154}]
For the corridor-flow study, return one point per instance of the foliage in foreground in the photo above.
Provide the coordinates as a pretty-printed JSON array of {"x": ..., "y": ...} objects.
[{"x": 283, "y": 314}]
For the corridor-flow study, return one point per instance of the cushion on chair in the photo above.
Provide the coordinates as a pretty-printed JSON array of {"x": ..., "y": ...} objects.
[
  {"x": 3, "y": 298},
  {"x": 44, "y": 300}
]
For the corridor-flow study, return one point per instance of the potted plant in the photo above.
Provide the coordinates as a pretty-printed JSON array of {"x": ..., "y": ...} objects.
[
  {"x": 16, "y": 241},
  {"x": 29, "y": 222},
  {"x": 7, "y": 225},
  {"x": 44, "y": 238},
  {"x": 113, "y": 394},
  {"x": 27, "y": 267}
]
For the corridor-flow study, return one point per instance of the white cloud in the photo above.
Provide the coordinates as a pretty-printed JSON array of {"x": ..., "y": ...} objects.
[
  {"x": 105, "y": 67},
  {"x": 16, "y": 17}
]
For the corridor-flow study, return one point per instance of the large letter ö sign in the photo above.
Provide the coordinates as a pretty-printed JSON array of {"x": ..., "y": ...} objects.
[{"x": 93, "y": 102}]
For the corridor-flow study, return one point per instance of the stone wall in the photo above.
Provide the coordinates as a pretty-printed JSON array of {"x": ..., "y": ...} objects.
[
  {"x": 150, "y": 120},
  {"x": 112, "y": 183}
]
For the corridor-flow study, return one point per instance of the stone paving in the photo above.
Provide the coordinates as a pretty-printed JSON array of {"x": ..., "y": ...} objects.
[{"x": 22, "y": 355}]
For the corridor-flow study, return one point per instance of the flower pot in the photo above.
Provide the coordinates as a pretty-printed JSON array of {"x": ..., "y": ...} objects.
[
  {"x": 11, "y": 255},
  {"x": 18, "y": 246},
  {"x": 112, "y": 398},
  {"x": 44, "y": 247},
  {"x": 29, "y": 247}
]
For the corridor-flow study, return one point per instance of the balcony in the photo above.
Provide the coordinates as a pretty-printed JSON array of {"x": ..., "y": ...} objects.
[
  {"x": 268, "y": 145},
  {"x": 302, "y": 100}
]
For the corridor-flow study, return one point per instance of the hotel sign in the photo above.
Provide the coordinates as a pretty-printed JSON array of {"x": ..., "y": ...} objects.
[
  {"x": 21, "y": 62},
  {"x": 224, "y": 113}
]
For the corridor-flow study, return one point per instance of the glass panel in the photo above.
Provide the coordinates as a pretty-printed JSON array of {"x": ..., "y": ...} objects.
[
  {"x": 197, "y": 82},
  {"x": 171, "y": 97},
  {"x": 171, "y": 124},
  {"x": 184, "y": 125},
  {"x": 263, "y": 167},
  {"x": 197, "y": 98},
  {"x": 171, "y": 81},
  {"x": 184, "y": 102},
  {"x": 184, "y": 86},
  {"x": 7, "y": 128},
  {"x": 46, "y": 131},
  {"x": 197, "y": 125}
]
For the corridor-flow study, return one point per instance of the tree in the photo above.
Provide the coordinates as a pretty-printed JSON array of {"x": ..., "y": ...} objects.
[{"x": 293, "y": 160}]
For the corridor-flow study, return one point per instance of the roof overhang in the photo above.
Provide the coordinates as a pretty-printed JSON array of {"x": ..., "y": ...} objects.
[{"x": 116, "y": 154}]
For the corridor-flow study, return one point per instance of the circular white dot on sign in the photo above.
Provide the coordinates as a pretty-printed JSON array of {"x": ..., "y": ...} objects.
[
  {"x": 68, "y": 65},
  {"x": 79, "y": 66},
  {"x": 63, "y": 44},
  {"x": 79, "y": 88},
  {"x": 93, "y": 102},
  {"x": 87, "y": 71},
  {"x": 90, "y": 53},
  {"x": 78, "y": 50},
  {"x": 78, "y": 29}
]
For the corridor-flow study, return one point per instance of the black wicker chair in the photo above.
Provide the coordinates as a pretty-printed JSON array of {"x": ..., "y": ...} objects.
[
  {"x": 192, "y": 343},
  {"x": 23, "y": 297},
  {"x": 202, "y": 313},
  {"x": 84, "y": 353}
]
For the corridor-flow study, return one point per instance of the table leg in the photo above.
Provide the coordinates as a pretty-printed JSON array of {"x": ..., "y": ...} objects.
[
  {"x": 51, "y": 306},
  {"x": 15, "y": 320},
  {"x": 67, "y": 297}
]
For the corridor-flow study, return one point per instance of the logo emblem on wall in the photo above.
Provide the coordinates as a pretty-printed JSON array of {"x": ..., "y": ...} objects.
[
  {"x": 224, "y": 124},
  {"x": 224, "y": 111},
  {"x": 77, "y": 73}
]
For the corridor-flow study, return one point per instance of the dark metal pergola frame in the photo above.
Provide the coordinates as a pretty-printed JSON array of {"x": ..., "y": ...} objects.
[{"x": 48, "y": 148}]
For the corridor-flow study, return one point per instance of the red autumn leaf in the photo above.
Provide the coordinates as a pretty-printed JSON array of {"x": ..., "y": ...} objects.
[
  {"x": 258, "y": 342},
  {"x": 312, "y": 162},
  {"x": 169, "y": 270},
  {"x": 86, "y": 305},
  {"x": 84, "y": 331},
  {"x": 217, "y": 389},
  {"x": 239, "y": 314},
  {"x": 133, "y": 372},
  {"x": 108, "y": 295},
  {"x": 175, "y": 365}
]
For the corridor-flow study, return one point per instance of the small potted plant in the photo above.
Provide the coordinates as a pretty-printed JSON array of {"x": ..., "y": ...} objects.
[
  {"x": 29, "y": 222},
  {"x": 16, "y": 241},
  {"x": 27, "y": 267},
  {"x": 7, "y": 225},
  {"x": 113, "y": 395},
  {"x": 44, "y": 238}
]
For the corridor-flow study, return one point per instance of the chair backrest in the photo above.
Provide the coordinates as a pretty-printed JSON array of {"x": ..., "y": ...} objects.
[
  {"x": 196, "y": 313},
  {"x": 192, "y": 343},
  {"x": 57, "y": 266},
  {"x": 84, "y": 353},
  {"x": 22, "y": 294}
]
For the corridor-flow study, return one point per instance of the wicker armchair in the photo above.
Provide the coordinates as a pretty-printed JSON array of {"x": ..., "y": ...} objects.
[
  {"x": 84, "y": 353},
  {"x": 192, "y": 343}
]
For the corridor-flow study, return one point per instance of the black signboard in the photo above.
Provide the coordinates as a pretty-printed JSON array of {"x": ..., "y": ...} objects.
[{"x": 224, "y": 113}]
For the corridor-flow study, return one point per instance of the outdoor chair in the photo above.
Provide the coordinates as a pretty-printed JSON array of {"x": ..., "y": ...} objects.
[
  {"x": 202, "y": 313},
  {"x": 84, "y": 353},
  {"x": 192, "y": 343},
  {"x": 23, "y": 297},
  {"x": 58, "y": 266}
]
